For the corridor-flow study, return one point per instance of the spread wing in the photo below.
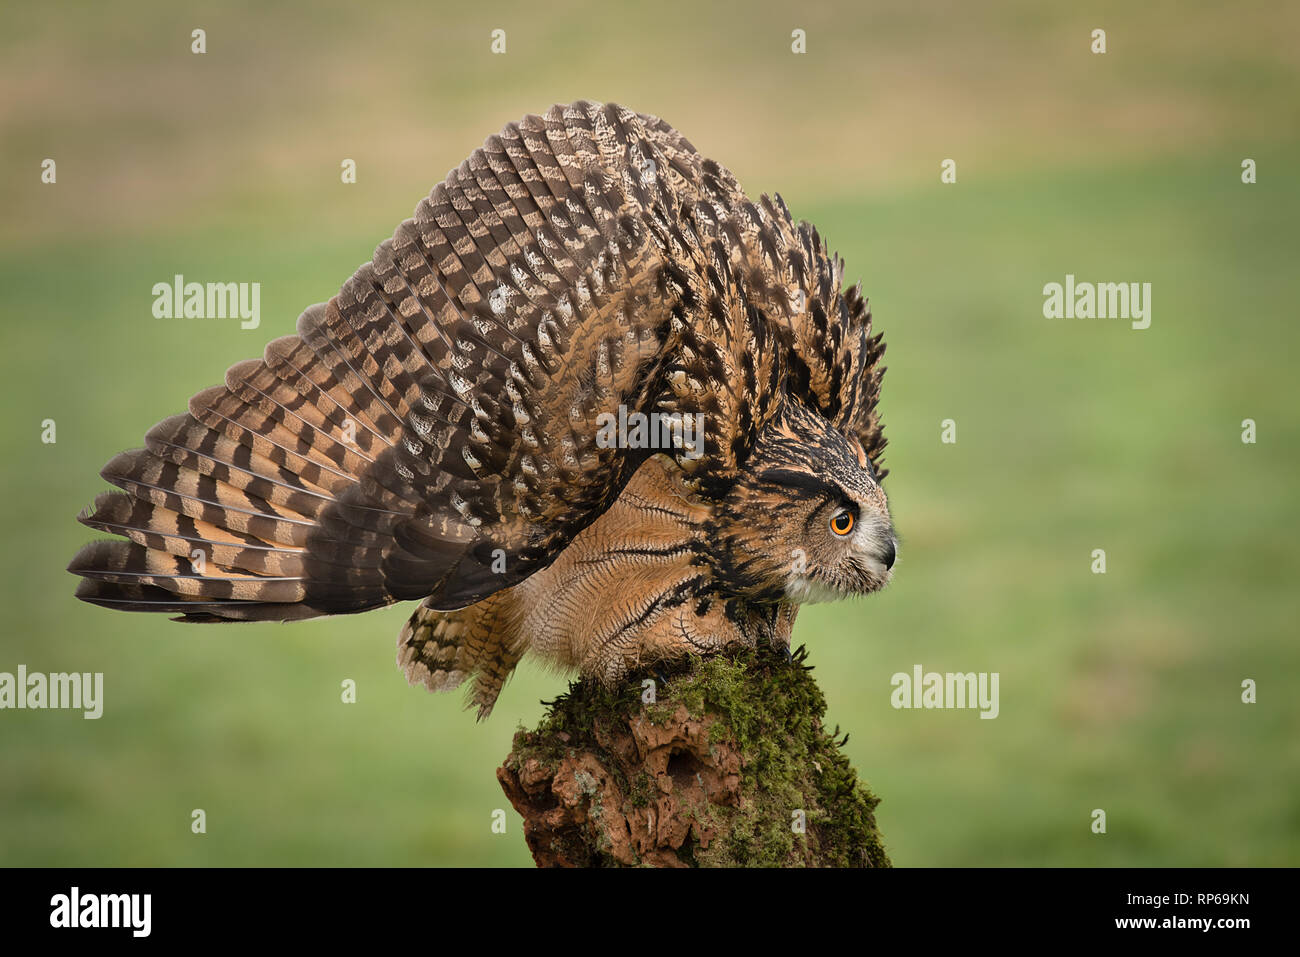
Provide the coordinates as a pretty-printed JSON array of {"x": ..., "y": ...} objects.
[{"x": 432, "y": 429}]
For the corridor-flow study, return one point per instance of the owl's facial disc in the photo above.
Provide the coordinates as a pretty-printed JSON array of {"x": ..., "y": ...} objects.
[
  {"x": 852, "y": 547},
  {"x": 802, "y": 535},
  {"x": 807, "y": 520}
]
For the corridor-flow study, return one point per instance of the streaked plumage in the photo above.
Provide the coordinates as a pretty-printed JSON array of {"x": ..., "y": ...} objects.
[{"x": 430, "y": 432}]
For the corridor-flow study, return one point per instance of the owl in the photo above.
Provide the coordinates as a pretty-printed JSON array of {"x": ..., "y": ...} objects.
[{"x": 590, "y": 403}]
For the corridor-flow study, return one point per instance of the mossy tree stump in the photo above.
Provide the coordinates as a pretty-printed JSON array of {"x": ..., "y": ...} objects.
[{"x": 726, "y": 763}]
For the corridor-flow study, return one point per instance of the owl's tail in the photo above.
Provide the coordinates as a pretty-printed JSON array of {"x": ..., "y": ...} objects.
[
  {"x": 440, "y": 650},
  {"x": 216, "y": 511}
]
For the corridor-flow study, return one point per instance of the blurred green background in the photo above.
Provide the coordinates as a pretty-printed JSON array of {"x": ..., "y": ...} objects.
[{"x": 1118, "y": 691}]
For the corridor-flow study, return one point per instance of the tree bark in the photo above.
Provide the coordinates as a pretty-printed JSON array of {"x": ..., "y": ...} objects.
[{"x": 725, "y": 763}]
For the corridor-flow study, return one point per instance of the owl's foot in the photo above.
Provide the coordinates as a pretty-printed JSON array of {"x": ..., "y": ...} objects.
[{"x": 667, "y": 640}]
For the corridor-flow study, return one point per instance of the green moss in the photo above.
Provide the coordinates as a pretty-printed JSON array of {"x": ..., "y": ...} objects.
[
  {"x": 773, "y": 710},
  {"x": 643, "y": 793}
]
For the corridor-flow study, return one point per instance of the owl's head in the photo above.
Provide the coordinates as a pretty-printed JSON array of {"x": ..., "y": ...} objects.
[{"x": 807, "y": 521}]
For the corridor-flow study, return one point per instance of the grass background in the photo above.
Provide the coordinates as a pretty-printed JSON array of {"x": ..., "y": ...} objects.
[{"x": 1118, "y": 691}]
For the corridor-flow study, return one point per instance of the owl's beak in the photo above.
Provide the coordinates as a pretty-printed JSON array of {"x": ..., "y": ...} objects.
[{"x": 889, "y": 552}]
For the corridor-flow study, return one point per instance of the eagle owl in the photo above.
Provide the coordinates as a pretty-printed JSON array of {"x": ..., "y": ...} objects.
[{"x": 440, "y": 429}]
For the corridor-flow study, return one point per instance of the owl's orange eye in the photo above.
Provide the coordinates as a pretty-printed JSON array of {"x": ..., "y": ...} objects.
[{"x": 842, "y": 522}]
